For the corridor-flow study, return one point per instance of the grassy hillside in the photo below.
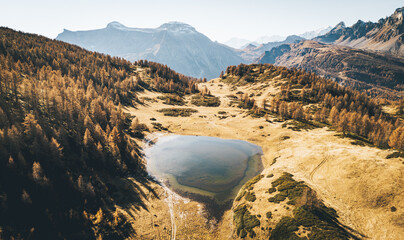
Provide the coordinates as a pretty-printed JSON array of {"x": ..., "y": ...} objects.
[
  {"x": 315, "y": 101},
  {"x": 349, "y": 174}
]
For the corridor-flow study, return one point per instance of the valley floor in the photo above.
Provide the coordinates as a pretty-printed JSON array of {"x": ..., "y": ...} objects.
[{"x": 357, "y": 181}]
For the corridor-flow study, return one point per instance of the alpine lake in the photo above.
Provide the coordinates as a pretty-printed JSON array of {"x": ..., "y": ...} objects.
[{"x": 207, "y": 169}]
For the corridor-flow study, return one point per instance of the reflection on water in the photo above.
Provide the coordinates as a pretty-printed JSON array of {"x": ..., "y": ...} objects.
[{"x": 205, "y": 166}]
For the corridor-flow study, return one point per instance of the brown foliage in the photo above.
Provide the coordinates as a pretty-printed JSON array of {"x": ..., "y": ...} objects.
[
  {"x": 63, "y": 133},
  {"x": 347, "y": 110}
]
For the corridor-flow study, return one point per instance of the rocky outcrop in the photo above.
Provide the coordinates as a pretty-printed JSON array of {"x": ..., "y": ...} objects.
[{"x": 386, "y": 35}]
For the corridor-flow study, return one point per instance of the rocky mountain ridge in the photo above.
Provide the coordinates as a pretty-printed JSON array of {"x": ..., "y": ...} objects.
[
  {"x": 178, "y": 45},
  {"x": 375, "y": 73},
  {"x": 386, "y": 35}
]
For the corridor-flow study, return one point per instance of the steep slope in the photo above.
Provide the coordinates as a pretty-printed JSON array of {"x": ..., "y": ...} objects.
[
  {"x": 176, "y": 44},
  {"x": 386, "y": 35},
  {"x": 377, "y": 74},
  {"x": 66, "y": 146}
]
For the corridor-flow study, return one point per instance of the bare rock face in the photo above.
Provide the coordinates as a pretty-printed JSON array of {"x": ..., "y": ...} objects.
[
  {"x": 386, "y": 35},
  {"x": 176, "y": 44}
]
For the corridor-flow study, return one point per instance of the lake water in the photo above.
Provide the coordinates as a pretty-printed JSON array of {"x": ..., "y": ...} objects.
[{"x": 206, "y": 166}]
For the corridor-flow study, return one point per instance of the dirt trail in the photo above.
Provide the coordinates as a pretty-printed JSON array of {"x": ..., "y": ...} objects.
[
  {"x": 326, "y": 157},
  {"x": 170, "y": 203},
  {"x": 150, "y": 139}
]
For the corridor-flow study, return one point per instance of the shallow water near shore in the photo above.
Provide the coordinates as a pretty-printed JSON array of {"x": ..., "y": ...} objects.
[{"x": 207, "y": 167}]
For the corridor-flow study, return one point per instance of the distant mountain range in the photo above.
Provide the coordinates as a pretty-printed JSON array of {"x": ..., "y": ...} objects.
[
  {"x": 333, "y": 53},
  {"x": 268, "y": 46},
  {"x": 251, "y": 52},
  {"x": 176, "y": 44},
  {"x": 366, "y": 56},
  {"x": 240, "y": 43},
  {"x": 237, "y": 43},
  {"x": 312, "y": 34},
  {"x": 386, "y": 35},
  {"x": 375, "y": 73}
]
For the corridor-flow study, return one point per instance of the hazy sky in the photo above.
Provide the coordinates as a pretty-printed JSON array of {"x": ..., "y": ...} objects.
[{"x": 218, "y": 19}]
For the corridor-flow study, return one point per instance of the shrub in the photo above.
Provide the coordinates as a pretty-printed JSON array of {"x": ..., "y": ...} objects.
[
  {"x": 249, "y": 185},
  {"x": 240, "y": 196},
  {"x": 244, "y": 221},
  {"x": 298, "y": 125},
  {"x": 269, "y": 215},
  {"x": 159, "y": 126},
  {"x": 279, "y": 197},
  {"x": 175, "y": 112},
  {"x": 287, "y": 187},
  {"x": 232, "y": 96},
  {"x": 395, "y": 155},
  {"x": 285, "y": 229},
  {"x": 285, "y": 138},
  {"x": 285, "y": 177},
  {"x": 271, "y": 190},
  {"x": 250, "y": 197},
  {"x": 205, "y": 100},
  {"x": 172, "y": 99}
]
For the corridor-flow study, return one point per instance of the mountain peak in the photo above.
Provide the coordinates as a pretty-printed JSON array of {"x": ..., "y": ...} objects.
[
  {"x": 250, "y": 47},
  {"x": 399, "y": 13},
  {"x": 175, "y": 23},
  {"x": 386, "y": 35},
  {"x": 177, "y": 27},
  {"x": 116, "y": 25},
  {"x": 340, "y": 25},
  {"x": 293, "y": 38}
]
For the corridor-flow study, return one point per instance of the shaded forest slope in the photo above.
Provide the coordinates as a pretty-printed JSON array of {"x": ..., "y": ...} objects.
[{"x": 64, "y": 139}]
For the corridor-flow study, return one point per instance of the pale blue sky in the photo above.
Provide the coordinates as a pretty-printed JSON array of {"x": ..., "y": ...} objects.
[{"x": 218, "y": 19}]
